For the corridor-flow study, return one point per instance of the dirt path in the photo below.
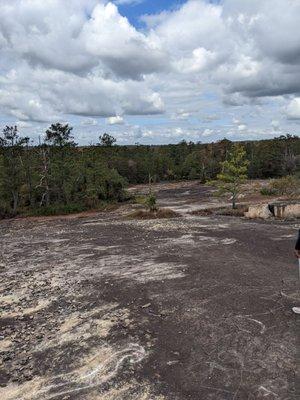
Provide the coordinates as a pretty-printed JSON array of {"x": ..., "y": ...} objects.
[{"x": 190, "y": 308}]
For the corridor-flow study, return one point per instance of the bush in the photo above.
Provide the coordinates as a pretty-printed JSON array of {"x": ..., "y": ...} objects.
[
  {"x": 266, "y": 191},
  {"x": 139, "y": 199},
  {"x": 58, "y": 209},
  {"x": 227, "y": 211},
  {"x": 237, "y": 212},
  {"x": 5, "y": 212},
  {"x": 151, "y": 202},
  {"x": 288, "y": 185}
]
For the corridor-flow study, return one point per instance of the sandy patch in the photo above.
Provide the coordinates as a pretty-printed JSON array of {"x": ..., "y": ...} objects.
[
  {"x": 5, "y": 344},
  {"x": 96, "y": 369},
  {"x": 134, "y": 268},
  {"x": 41, "y": 304},
  {"x": 85, "y": 325}
]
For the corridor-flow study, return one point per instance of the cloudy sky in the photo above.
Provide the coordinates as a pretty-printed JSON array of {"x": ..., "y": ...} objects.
[{"x": 151, "y": 71}]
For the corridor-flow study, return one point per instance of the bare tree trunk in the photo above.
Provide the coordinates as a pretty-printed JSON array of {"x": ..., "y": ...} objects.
[
  {"x": 15, "y": 201},
  {"x": 44, "y": 181},
  {"x": 234, "y": 196},
  {"x": 233, "y": 202}
]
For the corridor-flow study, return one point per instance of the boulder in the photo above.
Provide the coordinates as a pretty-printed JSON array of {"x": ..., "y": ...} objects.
[
  {"x": 285, "y": 210},
  {"x": 259, "y": 211}
]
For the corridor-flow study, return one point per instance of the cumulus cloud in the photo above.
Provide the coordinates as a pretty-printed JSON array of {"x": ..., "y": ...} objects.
[
  {"x": 293, "y": 109},
  {"x": 82, "y": 57},
  {"x": 117, "y": 120}
]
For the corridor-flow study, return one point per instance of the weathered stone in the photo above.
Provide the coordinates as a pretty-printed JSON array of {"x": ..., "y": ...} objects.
[
  {"x": 286, "y": 210},
  {"x": 259, "y": 211}
]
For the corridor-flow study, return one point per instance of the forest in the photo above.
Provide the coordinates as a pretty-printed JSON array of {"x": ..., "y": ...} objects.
[{"x": 58, "y": 176}]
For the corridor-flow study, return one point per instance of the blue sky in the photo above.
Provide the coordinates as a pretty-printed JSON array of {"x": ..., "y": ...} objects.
[
  {"x": 151, "y": 71},
  {"x": 133, "y": 11}
]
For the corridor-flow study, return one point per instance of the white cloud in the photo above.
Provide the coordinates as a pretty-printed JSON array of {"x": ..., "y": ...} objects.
[
  {"x": 208, "y": 132},
  {"x": 293, "y": 109},
  {"x": 108, "y": 36},
  {"x": 57, "y": 60},
  {"x": 82, "y": 57},
  {"x": 242, "y": 127},
  {"x": 89, "y": 122},
  {"x": 275, "y": 124},
  {"x": 117, "y": 120}
]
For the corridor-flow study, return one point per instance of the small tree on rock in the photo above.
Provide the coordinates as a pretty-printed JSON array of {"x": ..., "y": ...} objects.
[
  {"x": 234, "y": 173},
  {"x": 151, "y": 198}
]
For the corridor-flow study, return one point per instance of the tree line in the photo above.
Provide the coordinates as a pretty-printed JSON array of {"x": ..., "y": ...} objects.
[{"x": 57, "y": 175}]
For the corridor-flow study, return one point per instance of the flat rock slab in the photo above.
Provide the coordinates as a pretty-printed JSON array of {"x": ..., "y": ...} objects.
[{"x": 105, "y": 308}]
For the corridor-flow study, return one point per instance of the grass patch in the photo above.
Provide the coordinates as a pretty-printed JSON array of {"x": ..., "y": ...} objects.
[
  {"x": 159, "y": 214},
  {"x": 237, "y": 212},
  {"x": 139, "y": 199},
  {"x": 229, "y": 211},
  {"x": 265, "y": 191}
]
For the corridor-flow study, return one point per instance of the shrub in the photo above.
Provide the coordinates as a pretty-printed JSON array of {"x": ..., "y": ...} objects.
[
  {"x": 287, "y": 185},
  {"x": 237, "y": 212},
  {"x": 151, "y": 202},
  {"x": 139, "y": 199},
  {"x": 57, "y": 209},
  {"x": 228, "y": 211},
  {"x": 266, "y": 191}
]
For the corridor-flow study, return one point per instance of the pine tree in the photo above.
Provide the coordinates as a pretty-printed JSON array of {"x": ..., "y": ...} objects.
[{"x": 234, "y": 172}]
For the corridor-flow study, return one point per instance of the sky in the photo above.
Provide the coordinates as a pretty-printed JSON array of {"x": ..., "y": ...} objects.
[{"x": 151, "y": 71}]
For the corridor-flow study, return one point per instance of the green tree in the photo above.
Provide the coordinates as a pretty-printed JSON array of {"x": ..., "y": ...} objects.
[
  {"x": 233, "y": 172},
  {"x": 62, "y": 157},
  {"x": 11, "y": 176},
  {"x": 60, "y": 135},
  {"x": 106, "y": 140}
]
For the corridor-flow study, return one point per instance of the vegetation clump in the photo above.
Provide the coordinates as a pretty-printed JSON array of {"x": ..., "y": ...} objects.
[
  {"x": 159, "y": 214},
  {"x": 233, "y": 173},
  {"x": 287, "y": 185},
  {"x": 151, "y": 203},
  {"x": 267, "y": 191}
]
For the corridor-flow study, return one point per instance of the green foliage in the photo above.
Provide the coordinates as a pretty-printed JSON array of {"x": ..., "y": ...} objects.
[
  {"x": 57, "y": 173},
  {"x": 54, "y": 177},
  {"x": 150, "y": 202},
  {"x": 233, "y": 172},
  {"x": 106, "y": 140},
  {"x": 11, "y": 167},
  {"x": 59, "y": 135},
  {"x": 266, "y": 191},
  {"x": 288, "y": 185},
  {"x": 57, "y": 209},
  {"x": 140, "y": 199}
]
